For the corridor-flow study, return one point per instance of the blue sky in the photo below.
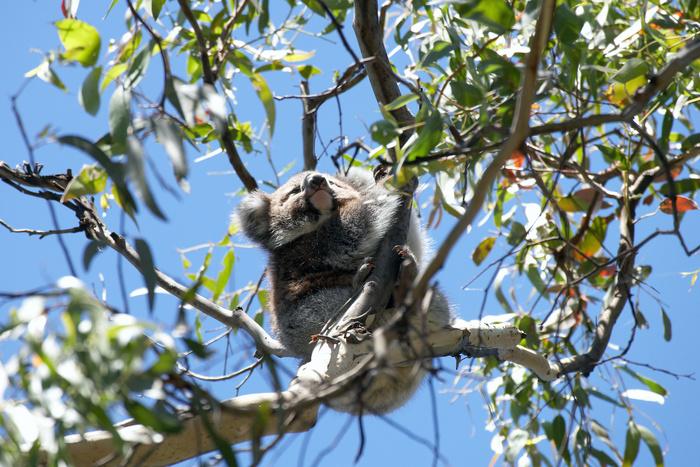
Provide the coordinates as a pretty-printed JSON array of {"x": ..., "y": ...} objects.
[{"x": 202, "y": 217}]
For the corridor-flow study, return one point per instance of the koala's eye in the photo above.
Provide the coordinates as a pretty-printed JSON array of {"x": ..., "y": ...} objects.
[{"x": 294, "y": 191}]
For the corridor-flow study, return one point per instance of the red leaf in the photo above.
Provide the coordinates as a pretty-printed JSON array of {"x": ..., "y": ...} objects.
[
  {"x": 608, "y": 271},
  {"x": 63, "y": 8},
  {"x": 682, "y": 204},
  {"x": 674, "y": 172},
  {"x": 518, "y": 158}
]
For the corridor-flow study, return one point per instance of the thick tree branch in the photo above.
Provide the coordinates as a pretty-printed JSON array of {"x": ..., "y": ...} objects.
[
  {"x": 585, "y": 363},
  {"x": 381, "y": 77},
  {"x": 295, "y": 410}
]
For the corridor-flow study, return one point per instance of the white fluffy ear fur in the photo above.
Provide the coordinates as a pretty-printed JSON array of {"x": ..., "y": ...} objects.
[{"x": 253, "y": 216}]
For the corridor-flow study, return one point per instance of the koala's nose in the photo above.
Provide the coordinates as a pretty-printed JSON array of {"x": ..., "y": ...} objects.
[{"x": 314, "y": 181}]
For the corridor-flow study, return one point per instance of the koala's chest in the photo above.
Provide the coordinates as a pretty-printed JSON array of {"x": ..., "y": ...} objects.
[{"x": 297, "y": 272}]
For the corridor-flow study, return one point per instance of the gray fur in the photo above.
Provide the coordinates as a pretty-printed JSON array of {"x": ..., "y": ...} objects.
[{"x": 318, "y": 229}]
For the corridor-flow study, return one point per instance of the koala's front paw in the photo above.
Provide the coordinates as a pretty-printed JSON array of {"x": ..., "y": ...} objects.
[
  {"x": 362, "y": 272},
  {"x": 380, "y": 173},
  {"x": 409, "y": 265}
]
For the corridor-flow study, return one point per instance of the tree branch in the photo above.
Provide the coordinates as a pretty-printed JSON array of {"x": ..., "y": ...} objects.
[
  {"x": 519, "y": 131},
  {"x": 209, "y": 77}
]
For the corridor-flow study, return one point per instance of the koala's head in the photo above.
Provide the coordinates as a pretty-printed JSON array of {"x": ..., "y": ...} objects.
[{"x": 298, "y": 207}]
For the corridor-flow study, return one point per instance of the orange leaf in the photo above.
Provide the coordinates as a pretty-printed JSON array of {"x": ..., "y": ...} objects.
[
  {"x": 518, "y": 158},
  {"x": 675, "y": 171},
  {"x": 682, "y": 204}
]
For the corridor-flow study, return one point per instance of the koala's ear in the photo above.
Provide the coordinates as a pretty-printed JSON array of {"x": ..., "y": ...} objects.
[{"x": 253, "y": 216}]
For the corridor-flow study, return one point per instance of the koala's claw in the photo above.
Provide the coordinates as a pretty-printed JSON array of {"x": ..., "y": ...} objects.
[{"x": 362, "y": 272}]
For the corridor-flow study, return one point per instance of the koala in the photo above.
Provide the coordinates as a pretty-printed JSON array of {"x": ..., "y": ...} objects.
[{"x": 318, "y": 231}]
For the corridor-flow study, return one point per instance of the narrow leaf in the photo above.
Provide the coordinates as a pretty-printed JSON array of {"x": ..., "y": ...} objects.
[
  {"x": 265, "y": 97},
  {"x": 224, "y": 275},
  {"x": 631, "y": 445},
  {"x": 170, "y": 136},
  {"x": 484, "y": 248},
  {"x": 136, "y": 156},
  {"x": 89, "y": 96},
  {"x": 667, "y": 325},
  {"x": 147, "y": 269},
  {"x": 120, "y": 114},
  {"x": 653, "y": 444}
]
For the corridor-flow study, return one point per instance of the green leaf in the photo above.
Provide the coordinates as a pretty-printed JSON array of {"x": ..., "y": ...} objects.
[
  {"x": 496, "y": 15},
  {"x": 466, "y": 95},
  {"x": 265, "y": 97},
  {"x": 166, "y": 362},
  {"x": 439, "y": 49},
  {"x": 401, "y": 101},
  {"x": 115, "y": 171},
  {"x": 81, "y": 41},
  {"x": 156, "y": 6},
  {"x": 558, "y": 431},
  {"x": 91, "y": 250},
  {"x": 428, "y": 137},
  {"x": 612, "y": 154},
  {"x": 151, "y": 418},
  {"x": 89, "y": 96},
  {"x": 224, "y": 274},
  {"x": 120, "y": 114},
  {"x": 604, "y": 397},
  {"x": 484, "y": 248},
  {"x": 262, "y": 297},
  {"x": 128, "y": 49},
  {"x": 500, "y": 296},
  {"x": 384, "y": 132},
  {"x": 603, "y": 458},
  {"x": 653, "y": 444},
  {"x": 567, "y": 25},
  {"x": 631, "y": 445},
  {"x": 170, "y": 136},
  {"x": 667, "y": 325},
  {"x": 147, "y": 269},
  {"x": 516, "y": 235},
  {"x": 200, "y": 350},
  {"x": 112, "y": 74},
  {"x": 533, "y": 273},
  {"x": 46, "y": 74},
  {"x": 633, "y": 68},
  {"x": 652, "y": 385},
  {"x": 194, "y": 68},
  {"x": 682, "y": 186},
  {"x": 135, "y": 168},
  {"x": 688, "y": 143},
  {"x": 307, "y": 71},
  {"x": 138, "y": 66},
  {"x": 91, "y": 179}
]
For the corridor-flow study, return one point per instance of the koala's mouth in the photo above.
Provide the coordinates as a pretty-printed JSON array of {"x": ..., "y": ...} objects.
[{"x": 322, "y": 199}]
